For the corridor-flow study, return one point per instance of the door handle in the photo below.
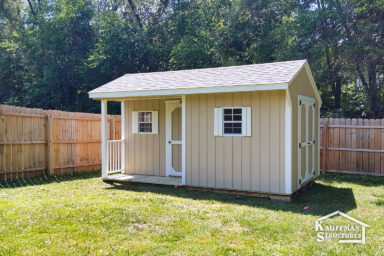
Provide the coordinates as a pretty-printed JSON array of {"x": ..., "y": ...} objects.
[{"x": 169, "y": 142}]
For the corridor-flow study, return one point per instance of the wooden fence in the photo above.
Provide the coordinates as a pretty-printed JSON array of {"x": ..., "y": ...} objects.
[
  {"x": 35, "y": 142},
  {"x": 354, "y": 146}
]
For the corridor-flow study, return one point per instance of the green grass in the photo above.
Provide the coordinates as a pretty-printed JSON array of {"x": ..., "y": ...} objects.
[{"x": 80, "y": 215}]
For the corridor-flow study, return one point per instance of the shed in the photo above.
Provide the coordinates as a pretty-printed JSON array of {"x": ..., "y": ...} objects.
[{"x": 249, "y": 128}]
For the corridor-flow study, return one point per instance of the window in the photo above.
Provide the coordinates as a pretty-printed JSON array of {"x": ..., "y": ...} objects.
[
  {"x": 145, "y": 122},
  {"x": 232, "y": 121}
]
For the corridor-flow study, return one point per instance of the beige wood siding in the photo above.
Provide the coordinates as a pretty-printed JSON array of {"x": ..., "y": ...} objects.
[
  {"x": 254, "y": 163},
  {"x": 145, "y": 153},
  {"x": 301, "y": 86}
]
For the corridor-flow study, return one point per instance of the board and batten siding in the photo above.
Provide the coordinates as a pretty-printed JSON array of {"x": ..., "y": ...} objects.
[
  {"x": 254, "y": 163},
  {"x": 145, "y": 153},
  {"x": 301, "y": 86}
]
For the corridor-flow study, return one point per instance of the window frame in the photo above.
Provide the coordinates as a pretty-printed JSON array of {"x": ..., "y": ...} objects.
[
  {"x": 139, "y": 122},
  {"x": 239, "y": 122}
]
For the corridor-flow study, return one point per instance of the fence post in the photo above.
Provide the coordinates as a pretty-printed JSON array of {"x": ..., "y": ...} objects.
[
  {"x": 51, "y": 154},
  {"x": 325, "y": 145}
]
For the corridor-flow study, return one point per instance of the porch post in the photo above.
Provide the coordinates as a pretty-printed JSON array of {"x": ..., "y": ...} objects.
[
  {"x": 183, "y": 138},
  {"x": 123, "y": 135},
  {"x": 104, "y": 132}
]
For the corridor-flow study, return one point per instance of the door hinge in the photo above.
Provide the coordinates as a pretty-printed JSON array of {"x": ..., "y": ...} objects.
[
  {"x": 299, "y": 181},
  {"x": 299, "y": 144}
]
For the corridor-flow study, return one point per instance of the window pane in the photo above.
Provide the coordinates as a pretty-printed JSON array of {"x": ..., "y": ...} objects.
[
  {"x": 236, "y": 117},
  {"x": 141, "y": 116},
  {"x": 148, "y": 117},
  {"x": 237, "y": 125},
  {"x": 145, "y": 127},
  {"x": 232, "y": 121},
  {"x": 237, "y": 111},
  {"x": 237, "y": 130}
]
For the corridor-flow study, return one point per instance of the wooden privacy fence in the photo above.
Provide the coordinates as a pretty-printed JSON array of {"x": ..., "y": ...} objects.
[
  {"x": 35, "y": 142},
  {"x": 354, "y": 146}
]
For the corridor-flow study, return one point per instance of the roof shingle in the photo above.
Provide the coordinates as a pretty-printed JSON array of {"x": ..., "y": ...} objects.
[{"x": 255, "y": 74}]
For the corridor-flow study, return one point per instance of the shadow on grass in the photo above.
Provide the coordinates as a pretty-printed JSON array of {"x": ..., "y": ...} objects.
[
  {"x": 363, "y": 180},
  {"x": 41, "y": 180},
  {"x": 321, "y": 199}
]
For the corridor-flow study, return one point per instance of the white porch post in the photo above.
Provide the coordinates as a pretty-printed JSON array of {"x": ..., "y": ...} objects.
[
  {"x": 104, "y": 132},
  {"x": 123, "y": 135},
  {"x": 183, "y": 138}
]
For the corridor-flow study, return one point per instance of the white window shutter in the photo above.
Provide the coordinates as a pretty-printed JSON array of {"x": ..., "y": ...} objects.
[
  {"x": 249, "y": 121},
  {"x": 135, "y": 123},
  {"x": 246, "y": 121},
  {"x": 155, "y": 122},
  {"x": 218, "y": 122}
]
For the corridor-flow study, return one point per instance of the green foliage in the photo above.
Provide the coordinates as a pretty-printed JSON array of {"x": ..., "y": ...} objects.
[{"x": 52, "y": 52}]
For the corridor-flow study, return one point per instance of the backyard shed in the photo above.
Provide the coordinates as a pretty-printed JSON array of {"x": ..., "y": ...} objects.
[{"x": 250, "y": 128}]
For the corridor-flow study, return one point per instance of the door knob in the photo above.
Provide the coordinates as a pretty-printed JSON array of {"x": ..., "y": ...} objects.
[{"x": 169, "y": 142}]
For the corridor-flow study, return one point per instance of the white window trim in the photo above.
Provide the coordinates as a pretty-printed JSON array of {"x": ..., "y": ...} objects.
[
  {"x": 238, "y": 122},
  {"x": 136, "y": 123},
  {"x": 246, "y": 123},
  {"x": 139, "y": 122}
]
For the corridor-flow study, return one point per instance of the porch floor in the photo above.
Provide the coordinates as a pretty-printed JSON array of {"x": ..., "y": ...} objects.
[{"x": 160, "y": 180}]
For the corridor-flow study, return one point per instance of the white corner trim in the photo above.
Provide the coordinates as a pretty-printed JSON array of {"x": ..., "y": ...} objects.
[
  {"x": 162, "y": 92},
  {"x": 183, "y": 138},
  {"x": 288, "y": 144}
]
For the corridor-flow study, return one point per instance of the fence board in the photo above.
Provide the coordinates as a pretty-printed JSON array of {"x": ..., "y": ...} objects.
[{"x": 33, "y": 141}]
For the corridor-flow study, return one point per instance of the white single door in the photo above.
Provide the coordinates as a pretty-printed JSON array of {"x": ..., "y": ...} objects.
[
  {"x": 173, "y": 138},
  {"x": 306, "y": 139}
]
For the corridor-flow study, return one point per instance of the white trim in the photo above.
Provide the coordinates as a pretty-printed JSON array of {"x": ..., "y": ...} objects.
[
  {"x": 123, "y": 135},
  {"x": 104, "y": 132},
  {"x": 216, "y": 89},
  {"x": 154, "y": 122},
  {"x": 170, "y": 106},
  {"x": 183, "y": 135},
  {"x": 313, "y": 83},
  {"x": 288, "y": 144}
]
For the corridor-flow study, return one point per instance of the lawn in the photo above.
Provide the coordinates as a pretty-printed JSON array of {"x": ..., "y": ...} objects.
[{"x": 80, "y": 215}]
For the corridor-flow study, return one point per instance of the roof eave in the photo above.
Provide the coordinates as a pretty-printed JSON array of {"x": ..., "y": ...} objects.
[{"x": 185, "y": 91}]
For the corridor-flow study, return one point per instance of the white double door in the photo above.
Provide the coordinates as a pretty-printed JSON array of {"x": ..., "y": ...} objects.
[{"x": 306, "y": 139}]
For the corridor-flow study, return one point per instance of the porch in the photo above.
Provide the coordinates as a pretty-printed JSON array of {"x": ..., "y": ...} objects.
[
  {"x": 149, "y": 179},
  {"x": 151, "y": 148}
]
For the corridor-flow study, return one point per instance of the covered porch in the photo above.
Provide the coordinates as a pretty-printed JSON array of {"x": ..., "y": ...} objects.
[{"x": 152, "y": 144}]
